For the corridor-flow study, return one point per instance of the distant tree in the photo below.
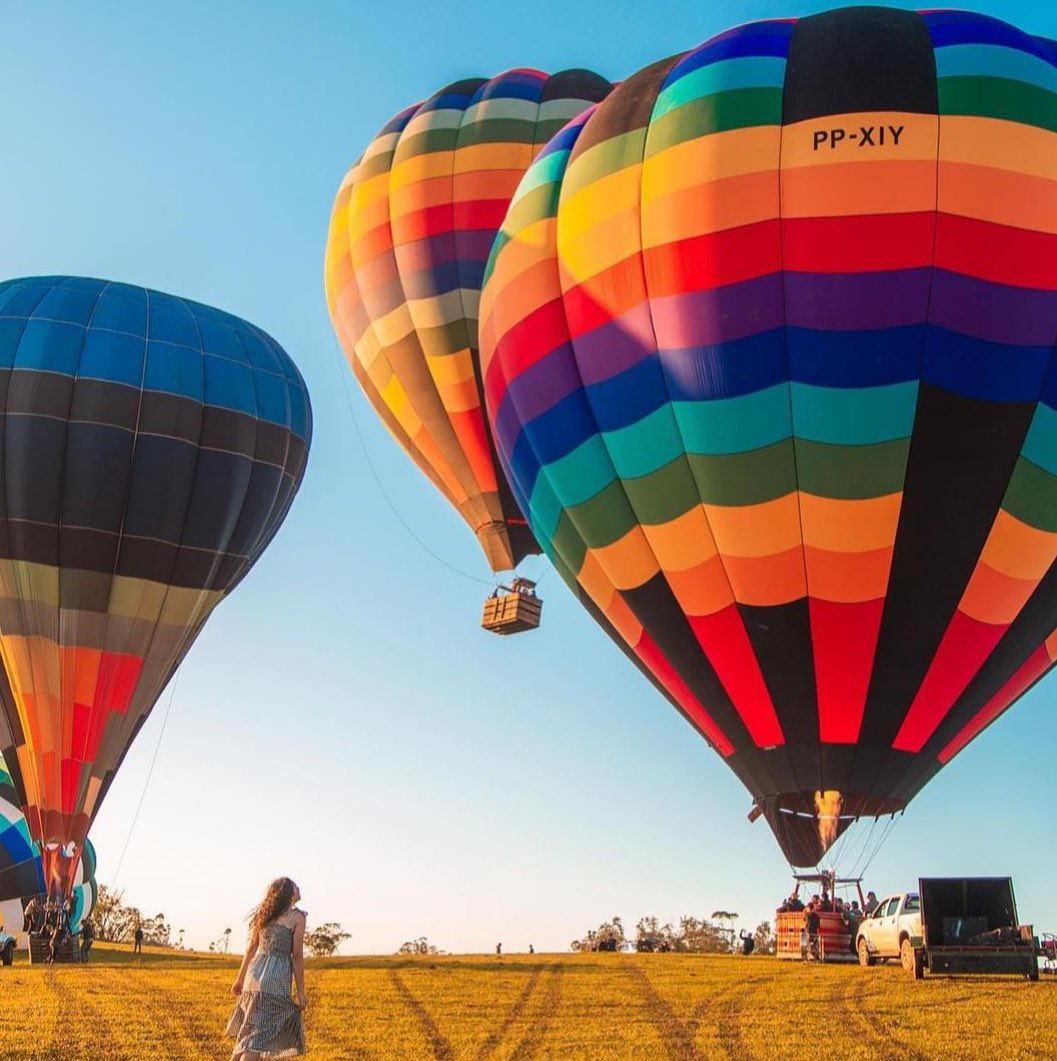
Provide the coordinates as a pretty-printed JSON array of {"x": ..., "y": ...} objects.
[
  {"x": 156, "y": 931},
  {"x": 323, "y": 941},
  {"x": 766, "y": 943},
  {"x": 421, "y": 945},
  {"x": 609, "y": 936},
  {"x": 724, "y": 915},
  {"x": 699, "y": 936},
  {"x": 651, "y": 935},
  {"x": 115, "y": 921}
]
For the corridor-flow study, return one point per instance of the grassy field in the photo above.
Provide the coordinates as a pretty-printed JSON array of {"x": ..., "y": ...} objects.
[{"x": 595, "y": 1007}]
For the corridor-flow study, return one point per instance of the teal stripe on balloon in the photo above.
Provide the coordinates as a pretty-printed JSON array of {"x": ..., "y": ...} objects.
[
  {"x": 984, "y": 60},
  {"x": 748, "y": 72},
  {"x": 646, "y": 445},
  {"x": 735, "y": 425},
  {"x": 1040, "y": 445},
  {"x": 854, "y": 417}
]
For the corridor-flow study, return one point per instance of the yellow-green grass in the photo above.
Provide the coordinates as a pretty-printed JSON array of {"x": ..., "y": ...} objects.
[{"x": 515, "y": 1008}]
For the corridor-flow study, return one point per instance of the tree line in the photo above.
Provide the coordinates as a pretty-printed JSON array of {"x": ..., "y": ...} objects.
[
  {"x": 690, "y": 935},
  {"x": 116, "y": 921}
]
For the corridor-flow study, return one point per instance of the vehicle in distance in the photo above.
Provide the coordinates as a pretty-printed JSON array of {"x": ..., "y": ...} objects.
[{"x": 895, "y": 922}]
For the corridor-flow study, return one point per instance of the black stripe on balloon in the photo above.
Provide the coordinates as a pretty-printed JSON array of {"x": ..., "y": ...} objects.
[
  {"x": 859, "y": 59},
  {"x": 576, "y": 84},
  {"x": 665, "y": 622},
  {"x": 1026, "y": 634},
  {"x": 962, "y": 454},
  {"x": 780, "y": 636}
]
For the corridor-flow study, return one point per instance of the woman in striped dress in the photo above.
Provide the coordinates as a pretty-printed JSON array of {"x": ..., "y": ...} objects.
[{"x": 267, "y": 1022}]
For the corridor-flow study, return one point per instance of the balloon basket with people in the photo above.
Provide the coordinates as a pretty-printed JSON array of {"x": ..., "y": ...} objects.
[{"x": 822, "y": 925}]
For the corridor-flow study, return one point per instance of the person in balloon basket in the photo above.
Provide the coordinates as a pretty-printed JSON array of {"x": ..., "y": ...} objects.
[
  {"x": 812, "y": 927},
  {"x": 267, "y": 1021}
]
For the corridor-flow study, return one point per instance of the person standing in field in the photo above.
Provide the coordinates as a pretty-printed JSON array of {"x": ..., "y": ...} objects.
[
  {"x": 267, "y": 1021},
  {"x": 87, "y": 939},
  {"x": 137, "y": 940}
]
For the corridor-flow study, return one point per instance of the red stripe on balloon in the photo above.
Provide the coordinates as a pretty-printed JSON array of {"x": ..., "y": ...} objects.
[
  {"x": 717, "y": 259},
  {"x": 999, "y": 253},
  {"x": 662, "y": 670},
  {"x": 844, "y": 641},
  {"x": 726, "y": 644},
  {"x": 528, "y": 341},
  {"x": 963, "y": 650},
  {"x": 863, "y": 244},
  {"x": 1037, "y": 664}
]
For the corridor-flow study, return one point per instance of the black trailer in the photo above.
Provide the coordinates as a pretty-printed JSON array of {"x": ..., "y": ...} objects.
[{"x": 969, "y": 925}]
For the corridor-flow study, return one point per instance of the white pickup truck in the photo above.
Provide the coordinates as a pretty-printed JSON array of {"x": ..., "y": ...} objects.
[{"x": 893, "y": 930}]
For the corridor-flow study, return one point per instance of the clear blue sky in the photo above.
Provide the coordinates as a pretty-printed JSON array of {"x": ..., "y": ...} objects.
[{"x": 342, "y": 719}]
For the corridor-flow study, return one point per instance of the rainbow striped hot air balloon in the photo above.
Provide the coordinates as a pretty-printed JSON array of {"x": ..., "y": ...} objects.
[
  {"x": 767, "y": 344},
  {"x": 410, "y": 233}
]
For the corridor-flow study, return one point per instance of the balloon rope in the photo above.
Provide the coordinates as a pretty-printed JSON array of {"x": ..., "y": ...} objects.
[
  {"x": 146, "y": 782},
  {"x": 381, "y": 487},
  {"x": 880, "y": 843}
]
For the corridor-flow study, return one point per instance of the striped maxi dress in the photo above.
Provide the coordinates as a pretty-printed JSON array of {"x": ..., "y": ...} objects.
[{"x": 266, "y": 1020}]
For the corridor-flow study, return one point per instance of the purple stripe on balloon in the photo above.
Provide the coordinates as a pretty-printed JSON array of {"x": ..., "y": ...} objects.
[
  {"x": 545, "y": 383},
  {"x": 699, "y": 318},
  {"x": 857, "y": 301},
  {"x": 996, "y": 312},
  {"x": 618, "y": 344}
]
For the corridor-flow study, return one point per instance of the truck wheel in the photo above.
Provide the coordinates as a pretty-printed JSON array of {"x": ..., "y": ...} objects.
[
  {"x": 911, "y": 959},
  {"x": 8, "y": 953},
  {"x": 866, "y": 959}
]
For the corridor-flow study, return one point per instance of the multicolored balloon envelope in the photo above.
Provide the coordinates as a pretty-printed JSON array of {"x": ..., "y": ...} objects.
[
  {"x": 410, "y": 233},
  {"x": 22, "y": 869},
  {"x": 151, "y": 448},
  {"x": 767, "y": 344}
]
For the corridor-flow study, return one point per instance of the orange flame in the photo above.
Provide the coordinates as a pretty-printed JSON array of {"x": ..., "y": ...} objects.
[{"x": 827, "y": 811}]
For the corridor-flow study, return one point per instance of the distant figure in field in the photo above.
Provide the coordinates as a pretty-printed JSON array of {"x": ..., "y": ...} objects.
[
  {"x": 499, "y": 949},
  {"x": 871, "y": 903},
  {"x": 137, "y": 940},
  {"x": 87, "y": 939},
  {"x": 267, "y": 1021},
  {"x": 748, "y": 942},
  {"x": 532, "y": 950}
]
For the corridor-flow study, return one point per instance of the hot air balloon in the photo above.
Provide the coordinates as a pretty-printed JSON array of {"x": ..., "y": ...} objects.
[
  {"x": 767, "y": 351},
  {"x": 151, "y": 448},
  {"x": 410, "y": 234},
  {"x": 22, "y": 871}
]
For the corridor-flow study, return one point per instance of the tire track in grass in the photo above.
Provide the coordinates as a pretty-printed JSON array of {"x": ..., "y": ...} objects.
[
  {"x": 676, "y": 1035},
  {"x": 438, "y": 1043},
  {"x": 493, "y": 1042},
  {"x": 875, "y": 1030},
  {"x": 728, "y": 1020},
  {"x": 529, "y": 1046}
]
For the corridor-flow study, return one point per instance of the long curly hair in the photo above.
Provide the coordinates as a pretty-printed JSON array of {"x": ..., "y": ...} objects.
[{"x": 277, "y": 900}]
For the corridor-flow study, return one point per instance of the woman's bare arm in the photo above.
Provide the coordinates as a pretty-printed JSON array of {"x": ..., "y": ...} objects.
[
  {"x": 298, "y": 959},
  {"x": 251, "y": 950}
]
